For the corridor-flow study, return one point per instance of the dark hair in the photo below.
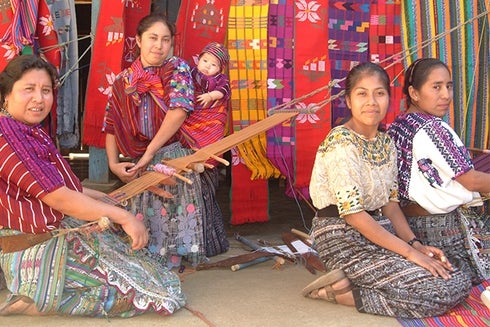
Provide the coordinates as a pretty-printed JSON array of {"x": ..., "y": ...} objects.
[
  {"x": 366, "y": 68},
  {"x": 417, "y": 73},
  {"x": 148, "y": 21},
  {"x": 17, "y": 67}
]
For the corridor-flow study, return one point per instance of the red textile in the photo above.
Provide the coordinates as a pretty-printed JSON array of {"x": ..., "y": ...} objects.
[
  {"x": 107, "y": 62},
  {"x": 198, "y": 23},
  {"x": 250, "y": 198},
  {"x": 312, "y": 71}
]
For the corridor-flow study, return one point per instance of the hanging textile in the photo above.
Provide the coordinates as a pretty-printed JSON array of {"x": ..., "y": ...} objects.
[
  {"x": 63, "y": 20},
  {"x": 247, "y": 45},
  {"x": 385, "y": 49},
  {"x": 198, "y": 23},
  {"x": 312, "y": 71},
  {"x": 465, "y": 50},
  {"x": 20, "y": 32},
  {"x": 7, "y": 50},
  {"x": 280, "y": 86},
  {"x": 107, "y": 62}
]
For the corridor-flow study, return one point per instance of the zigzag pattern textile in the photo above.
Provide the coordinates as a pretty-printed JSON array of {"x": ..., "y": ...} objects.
[{"x": 465, "y": 50}]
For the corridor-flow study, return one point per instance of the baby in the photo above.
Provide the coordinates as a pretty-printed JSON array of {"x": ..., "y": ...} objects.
[{"x": 209, "y": 81}]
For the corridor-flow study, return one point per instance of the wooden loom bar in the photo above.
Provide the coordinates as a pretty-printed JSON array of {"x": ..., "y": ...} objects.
[{"x": 200, "y": 156}]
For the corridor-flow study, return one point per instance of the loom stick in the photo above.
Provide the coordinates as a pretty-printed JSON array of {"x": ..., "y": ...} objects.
[
  {"x": 139, "y": 184},
  {"x": 242, "y": 258},
  {"x": 18, "y": 242},
  {"x": 250, "y": 263},
  {"x": 256, "y": 247}
]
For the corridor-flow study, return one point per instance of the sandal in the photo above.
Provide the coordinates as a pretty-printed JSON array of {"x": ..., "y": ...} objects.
[
  {"x": 7, "y": 308},
  {"x": 325, "y": 282}
]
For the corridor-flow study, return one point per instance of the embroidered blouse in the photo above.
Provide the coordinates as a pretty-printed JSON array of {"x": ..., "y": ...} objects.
[
  {"x": 30, "y": 168},
  {"x": 353, "y": 172},
  {"x": 430, "y": 157}
]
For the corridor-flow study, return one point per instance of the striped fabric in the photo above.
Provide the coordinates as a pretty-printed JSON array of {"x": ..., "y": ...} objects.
[
  {"x": 21, "y": 31},
  {"x": 43, "y": 170},
  {"x": 247, "y": 45},
  {"x": 280, "y": 86},
  {"x": 472, "y": 312},
  {"x": 465, "y": 51}
]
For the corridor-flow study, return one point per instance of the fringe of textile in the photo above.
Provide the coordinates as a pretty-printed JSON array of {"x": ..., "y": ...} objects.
[
  {"x": 464, "y": 50},
  {"x": 247, "y": 45},
  {"x": 312, "y": 71},
  {"x": 280, "y": 86}
]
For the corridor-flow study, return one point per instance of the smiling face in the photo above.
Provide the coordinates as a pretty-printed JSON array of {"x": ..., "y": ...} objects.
[
  {"x": 368, "y": 101},
  {"x": 31, "y": 98},
  {"x": 155, "y": 44},
  {"x": 208, "y": 64},
  {"x": 435, "y": 94}
]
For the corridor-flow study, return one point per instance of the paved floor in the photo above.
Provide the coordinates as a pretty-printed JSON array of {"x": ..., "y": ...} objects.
[{"x": 255, "y": 296}]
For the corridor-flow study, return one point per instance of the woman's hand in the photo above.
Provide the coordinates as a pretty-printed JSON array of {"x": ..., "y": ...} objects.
[
  {"x": 137, "y": 231},
  {"x": 432, "y": 263},
  {"x": 124, "y": 171},
  {"x": 142, "y": 163}
]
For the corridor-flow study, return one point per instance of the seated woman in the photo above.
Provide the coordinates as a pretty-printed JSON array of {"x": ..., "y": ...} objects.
[
  {"x": 437, "y": 179},
  {"x": 374, "y": 260},
  {"x": 89, "y": 274}
]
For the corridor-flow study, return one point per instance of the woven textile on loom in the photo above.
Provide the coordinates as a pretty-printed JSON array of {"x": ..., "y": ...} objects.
[
  {"x": 280, "y": 87},
  {"x": 472, "y": 312},
  {"x": 247, "y": 45},
  {"x": 465, "y": 50},
  {"x": 107, "y": 62}
]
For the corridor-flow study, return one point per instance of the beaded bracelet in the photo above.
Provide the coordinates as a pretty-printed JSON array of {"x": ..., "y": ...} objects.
[{"x": 413, "y": 240}]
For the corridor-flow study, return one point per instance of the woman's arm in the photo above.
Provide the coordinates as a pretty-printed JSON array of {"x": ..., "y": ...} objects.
[
  {"x": 170, "y": 125},
  {"x": 81, "y": 206},
  {"x": 475, "y": 181}
]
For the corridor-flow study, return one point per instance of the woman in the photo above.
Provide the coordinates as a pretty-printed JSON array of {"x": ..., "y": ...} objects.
[
  {"x": 374, "y": 259},
  {"x": 436, "y": 175},
  {"x": 89, "y": 274},
  {"x": 145, "y": 118}
]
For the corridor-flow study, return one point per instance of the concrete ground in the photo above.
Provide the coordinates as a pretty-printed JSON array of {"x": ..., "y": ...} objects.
[{"x": 256, "y": 296}]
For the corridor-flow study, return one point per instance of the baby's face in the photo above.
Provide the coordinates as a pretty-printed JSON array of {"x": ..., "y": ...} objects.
[{"x": 208, "y": 64}]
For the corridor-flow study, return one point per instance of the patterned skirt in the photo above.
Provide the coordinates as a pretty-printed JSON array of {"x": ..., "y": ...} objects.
[
  {"x": 95, "y": 275},
  {"x": 464, "y": 236},
  {"x": 189, "y": 225},
  {"x": 385, "y": 283}
]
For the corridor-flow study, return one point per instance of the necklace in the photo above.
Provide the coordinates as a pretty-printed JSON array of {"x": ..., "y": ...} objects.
[{"x": 5, "y": 112}]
